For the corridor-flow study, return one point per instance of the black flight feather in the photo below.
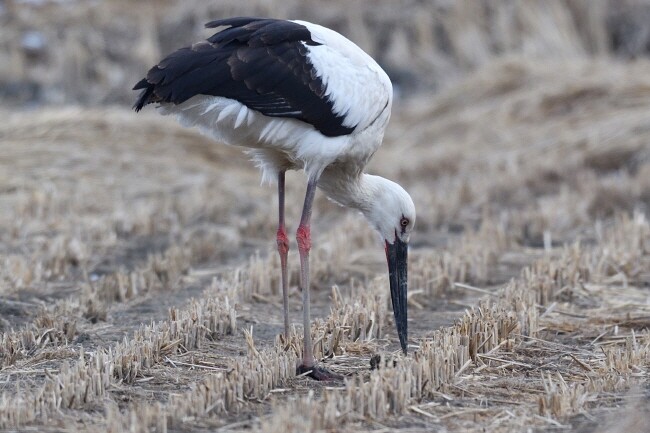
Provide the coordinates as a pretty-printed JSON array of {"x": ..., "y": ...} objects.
[{"x": 259, "y": 62}]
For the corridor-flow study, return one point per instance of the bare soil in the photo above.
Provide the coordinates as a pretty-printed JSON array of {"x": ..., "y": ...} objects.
[{"x": 139, "y": 283}]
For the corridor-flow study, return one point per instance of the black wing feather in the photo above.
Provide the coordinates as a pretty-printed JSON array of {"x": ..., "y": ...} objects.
[
  {"x": 261, "y": 63},
  {"x": 232, "y": 22}
]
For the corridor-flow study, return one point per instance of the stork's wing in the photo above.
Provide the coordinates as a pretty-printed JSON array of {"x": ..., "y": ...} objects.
[{"x": 261, "y": 63}]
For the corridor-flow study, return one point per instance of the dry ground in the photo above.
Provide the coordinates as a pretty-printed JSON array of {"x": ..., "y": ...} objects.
[{"x": 139, "y": 289}]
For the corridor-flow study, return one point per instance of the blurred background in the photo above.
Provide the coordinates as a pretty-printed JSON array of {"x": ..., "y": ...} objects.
[
  {"x": 532, "y": 115},
  {"x": 526, "y": 117},
  {"x": 92, "y": 52}
]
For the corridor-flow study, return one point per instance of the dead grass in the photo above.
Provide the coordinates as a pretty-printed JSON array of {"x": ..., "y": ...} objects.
[
  {"x": 138, "y": 277},
  {"x": 494, "y": 356}
]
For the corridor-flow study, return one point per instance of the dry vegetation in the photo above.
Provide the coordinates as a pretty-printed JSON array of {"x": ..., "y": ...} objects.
[{"x": 138, "y": 277}]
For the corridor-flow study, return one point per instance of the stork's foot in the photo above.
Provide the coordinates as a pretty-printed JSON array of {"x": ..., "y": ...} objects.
[{"x": 318, "y": 373}]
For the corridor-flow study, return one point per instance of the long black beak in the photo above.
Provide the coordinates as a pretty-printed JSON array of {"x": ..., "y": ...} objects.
[{"x": 397, "y": 256}]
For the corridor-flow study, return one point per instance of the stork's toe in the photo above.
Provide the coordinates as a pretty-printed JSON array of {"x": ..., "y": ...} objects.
[{"x": 318, "y": 373}]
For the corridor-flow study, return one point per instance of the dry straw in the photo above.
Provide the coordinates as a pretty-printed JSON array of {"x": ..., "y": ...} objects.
[
  {"x": 87, "y": 381},
  {"x": 509, "y": 325},
  {"x": 551, "y": 142},
  {"x": 46, "y": 330}
]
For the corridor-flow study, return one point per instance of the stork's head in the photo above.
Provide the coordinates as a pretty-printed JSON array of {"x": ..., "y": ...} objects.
[{"x": 392, "y": 213}]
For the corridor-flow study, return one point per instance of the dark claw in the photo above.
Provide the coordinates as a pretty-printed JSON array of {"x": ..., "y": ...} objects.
[
  {"x": 375, "y": 362},
  {"x": 318, "y": 373}
]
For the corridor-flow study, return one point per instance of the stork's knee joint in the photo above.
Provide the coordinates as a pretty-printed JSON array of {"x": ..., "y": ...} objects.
[
  {"x": 303, "y": 237},
  {"x": 283, "y": 241}
]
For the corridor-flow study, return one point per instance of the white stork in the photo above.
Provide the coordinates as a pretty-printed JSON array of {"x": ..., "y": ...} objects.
[{"x": 300, "y": 96}]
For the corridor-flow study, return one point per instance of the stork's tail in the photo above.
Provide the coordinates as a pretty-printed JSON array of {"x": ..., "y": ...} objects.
[{"x": 147, "y": 96}]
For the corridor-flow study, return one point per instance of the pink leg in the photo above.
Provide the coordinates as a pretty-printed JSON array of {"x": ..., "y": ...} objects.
[
  {"x": 303, "y": 236},
  {"x": 283, "y": 249}
]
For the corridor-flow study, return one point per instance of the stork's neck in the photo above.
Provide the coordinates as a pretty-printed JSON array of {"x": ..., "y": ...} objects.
[
  {"x": 383, "y": 202},
  {"x": 354, "y": 190}
]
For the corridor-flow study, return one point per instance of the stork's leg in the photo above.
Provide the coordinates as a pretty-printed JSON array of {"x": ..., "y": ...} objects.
[
  {"x": 283, "y": 249},
  {"x": 303, "y": 236}
]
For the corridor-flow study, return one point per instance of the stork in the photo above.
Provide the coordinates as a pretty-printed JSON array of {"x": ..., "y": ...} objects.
[{"x": 298, "y": 96}]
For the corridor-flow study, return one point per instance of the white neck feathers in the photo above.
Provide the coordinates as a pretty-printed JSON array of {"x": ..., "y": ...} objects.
[
  {"x": 382, "y": 202},
  {"x": 356, "y": 192}
]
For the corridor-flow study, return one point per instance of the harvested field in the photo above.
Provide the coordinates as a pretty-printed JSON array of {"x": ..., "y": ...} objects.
[{"x": 139, "y": 288}]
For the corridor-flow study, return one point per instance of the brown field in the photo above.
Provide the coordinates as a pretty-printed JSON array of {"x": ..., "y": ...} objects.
[{"x": 139, "y": 288}]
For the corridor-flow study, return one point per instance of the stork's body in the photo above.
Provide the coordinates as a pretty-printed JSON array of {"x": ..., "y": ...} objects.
[{"x": 299, "y": 96}]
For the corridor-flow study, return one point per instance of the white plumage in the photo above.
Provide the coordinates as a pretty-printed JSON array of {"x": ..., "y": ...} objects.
[
  {"x": 360, "y": 90},
  {"x": 298, "y": 96}
]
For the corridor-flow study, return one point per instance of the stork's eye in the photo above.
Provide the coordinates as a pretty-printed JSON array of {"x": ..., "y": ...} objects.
[{"x": 404, "y": 222}]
